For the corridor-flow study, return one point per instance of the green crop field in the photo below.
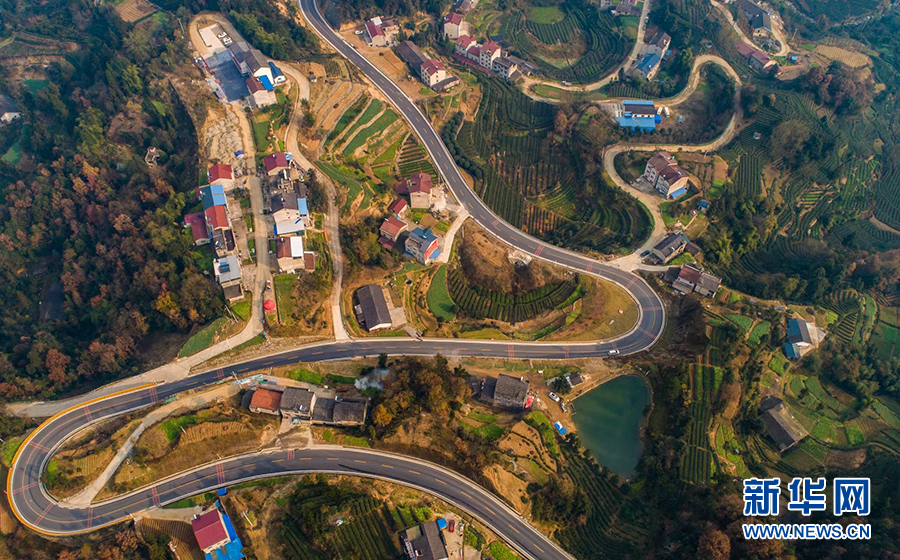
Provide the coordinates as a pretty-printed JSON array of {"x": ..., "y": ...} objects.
[
  {"x": 203, "y": 339},
  {"x": 605, "y": 47},
  {"x": 742, "y": 322},
  {"x": 351, "y": 113},
  {"x": 545, "y": 15},
  {"x": 478, "y": 303},
  {"x": 439, "y": 302},
  {"x": 759, "y": 330},
  {"x": 385, "y": 120},
  {"x": 535, "y": 182}
]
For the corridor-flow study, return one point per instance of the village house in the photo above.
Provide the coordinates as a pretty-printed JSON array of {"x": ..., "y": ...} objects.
[
  {"x": 666, "y": 176},
  {"x": 381, "y": 32},
  {"x": 455, "y": 25},
  {"x": 197, "y": 223},
  {"x": 755, "y": 57},
  {"x": 253, "y": 63},
  {"x": 340, "y": 412},
  {"x": 412, "y": 55},
  {"x": 658, "y": 44},
  {"x": 505, "y": 391},
  {"x": 638, "y": 113},
  {"x": 399, "y": 207},
  {"x": 424, "y": 542},
  {"x": 260, "y": 97},
  {"x": 9, "y": 111},
  {"x": 758, "y": 20},
  {"x": 218, "y": 224},
  {"x": 691, "y": 278},
  {"x": 391, "y": 230},
  {"x": 277, "y": 74},
  {"x": 780, "y": 424},
  {"x": 275, "y": 163},
  {"x": 433, "y": 72},
  {"x": 670, "y": 247},
  {"x": 370, "y": 308},
  {"x": 291, "y": 256},
  {"x": 291, "y": 214},
  {"x": 297, "y": 403},
  {"x": 266, "y": 401},
  {"x": 648, "y": 67},
  {"x": 505, "y": 68},
  {"x": 422, "y": 245},
  {"x": 463, "y": 44},
  {"x": 216, "y": 536},
  {"x": 464, "y": 6},
  {"x": 802, "y": 337},
  {"x": 489, "y": 52},
  {"x": 418, "y": 187},
  {"x": 221, "y": 174},
  {"x": 228, "y": 274}
]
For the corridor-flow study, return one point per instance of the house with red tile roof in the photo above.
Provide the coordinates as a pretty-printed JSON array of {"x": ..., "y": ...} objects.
[
  {"x": 398, "y": 207},
  {"x": 275, "y": 163},
  {"x": 216, "y": 218},
  {"x": 209, "y": 530},
  {"x": 221, "y": 174},
  {"x": 265, "y": 401},
  {"x": 433, "y": 72},
  {"x": 455, "y": 24},
  {"x": 260, "y": 96},
  {"x": 393, "y": 227},
  {"x": 463, "y": 43},
  {"x": 197, "y": 223},
  {"x": 418, "y": 185}
]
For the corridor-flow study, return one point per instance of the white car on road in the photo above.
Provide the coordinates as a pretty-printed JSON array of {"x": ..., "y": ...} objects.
[{"x": 554, "y": 397}]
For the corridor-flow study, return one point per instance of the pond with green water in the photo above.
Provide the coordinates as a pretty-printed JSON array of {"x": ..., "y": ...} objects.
[{"x": 609, "y": 419}]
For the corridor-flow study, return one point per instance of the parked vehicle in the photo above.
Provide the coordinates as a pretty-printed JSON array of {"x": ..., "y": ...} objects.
[
  {"x": 360, "y": 32},
  {"x": 222, "y": 35},
  {"x": 452, "y": 525},
  {"x": 268, "y": 285},
  {"x": 613, "y": 352},
  {"x": 554, "y": 397}
]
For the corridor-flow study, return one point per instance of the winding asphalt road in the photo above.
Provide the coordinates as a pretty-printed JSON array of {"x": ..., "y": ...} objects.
[{"x": 40, "y": 512}]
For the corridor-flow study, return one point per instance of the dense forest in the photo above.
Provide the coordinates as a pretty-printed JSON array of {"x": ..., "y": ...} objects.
[{"x": 92, "y": 255}]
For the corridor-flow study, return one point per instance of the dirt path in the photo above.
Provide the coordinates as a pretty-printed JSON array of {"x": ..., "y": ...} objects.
[
  {"x": 652, "y": 200},
  {"x": 782, "y": 51},
  {"x": 332, "y": 234},
  {"x": 86, "y": 496}
]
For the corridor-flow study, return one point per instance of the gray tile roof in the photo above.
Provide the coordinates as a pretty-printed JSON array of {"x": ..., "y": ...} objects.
[
  {"x": 297, "y": 400},
  {"x": 430, "y": 546},
  {"x": 781, "y": 426},
  {"x": 509, "y": 387},
  {"x": 373, "y": 306}
]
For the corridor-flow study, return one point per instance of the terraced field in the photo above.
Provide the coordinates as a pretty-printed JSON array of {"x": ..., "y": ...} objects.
[{"x": 537, "y": 183}]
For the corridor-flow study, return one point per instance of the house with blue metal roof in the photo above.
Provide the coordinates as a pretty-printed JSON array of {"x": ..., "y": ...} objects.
[
  {"x": 648, "y": 67},
  {"x": 802, "y": 337},
  {"x": 212, "y": 195},
  {"x": 277, "y": 74}
]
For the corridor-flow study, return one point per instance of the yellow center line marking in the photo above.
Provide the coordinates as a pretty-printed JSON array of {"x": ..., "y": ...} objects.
[
  {"x": 358, "y": 461},
  {"x": 304, "y": 458},
  {"x": 316, "y": 353},
  {"x": 387, "y": 466},
  {"x": 490, "y": 510},
  {"x": 441, "y": 481},
  {"x": 513, "y": 528},
  {"x": 539, "y": 548},
  {"x": 277, "y": 460},
  {"x": 414, "y": 472},
  {"x": 333, "y": 459}
]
